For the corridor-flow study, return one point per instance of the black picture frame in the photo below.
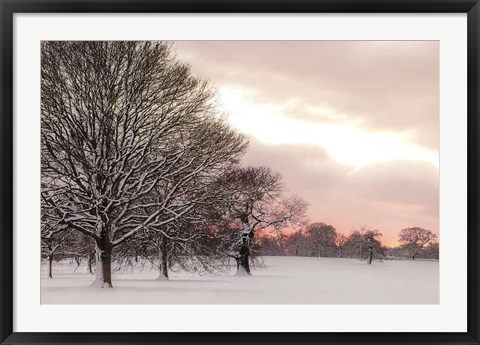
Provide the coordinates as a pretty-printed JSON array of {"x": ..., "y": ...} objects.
[{"x": 9, "y": 8}]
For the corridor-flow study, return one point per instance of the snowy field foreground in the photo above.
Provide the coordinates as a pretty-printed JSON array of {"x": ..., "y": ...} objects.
[{"x": 284, "y": 280}]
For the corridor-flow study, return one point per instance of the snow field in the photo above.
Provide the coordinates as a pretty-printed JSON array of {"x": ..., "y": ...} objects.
[{"x": 284, "y": 280}]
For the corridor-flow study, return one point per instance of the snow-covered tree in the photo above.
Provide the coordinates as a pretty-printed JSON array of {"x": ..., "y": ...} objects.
[
  {"x": 81, "y": 248},
  {"x": 189, "y": 246},
  {"x": 353, "y": 246},
  {"x": 413, "y": 240},
  {"x": 364, "y": 244},
  {"x": 297, "y": 244},
  {"x": 120, "y": 121},
  {"x": 322, "y": 239},
  {"x": 196, "y": 194},
  {"x": 373, "y": 246},
  {"x": 431, "y": 251},
  {"x": 256, "y": 203},
  {"x": 53, "y": 245}
]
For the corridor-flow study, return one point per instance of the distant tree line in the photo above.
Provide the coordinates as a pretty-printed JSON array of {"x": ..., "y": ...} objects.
[{"x": 323, "y": 240}]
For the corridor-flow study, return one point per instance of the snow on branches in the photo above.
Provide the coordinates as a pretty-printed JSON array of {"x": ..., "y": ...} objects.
[{"x": 131, "y": 141}]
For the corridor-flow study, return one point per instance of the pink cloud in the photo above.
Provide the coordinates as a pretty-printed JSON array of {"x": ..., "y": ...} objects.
[{"x": 379, "y": 86}]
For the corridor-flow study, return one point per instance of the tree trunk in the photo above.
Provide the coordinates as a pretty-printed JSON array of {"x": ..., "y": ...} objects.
[
  {"x": 370, "y": 255},
  {"x": 163, "y": 260},
  {"x": 91, "y": 258},
  {"x": 103, "y": 267},
  {"x": 165, "y": 263},
  {"x": 77, "y": 261},
  {"x": 244, "y": 264},
  {"x": 50, "y": 265}
]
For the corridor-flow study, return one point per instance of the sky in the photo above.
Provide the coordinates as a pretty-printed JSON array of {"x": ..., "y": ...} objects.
[{"x": 352, "y": 126}]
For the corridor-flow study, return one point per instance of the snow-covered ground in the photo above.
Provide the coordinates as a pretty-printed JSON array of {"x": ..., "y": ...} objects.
[{"x": 284, "y": 280}]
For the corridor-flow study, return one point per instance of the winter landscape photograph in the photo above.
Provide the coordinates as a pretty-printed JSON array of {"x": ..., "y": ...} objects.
[{"x": 239, "y": 172}]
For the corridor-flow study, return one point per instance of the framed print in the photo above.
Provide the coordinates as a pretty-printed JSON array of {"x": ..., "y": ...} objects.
[{"x": 239, "y": 172}]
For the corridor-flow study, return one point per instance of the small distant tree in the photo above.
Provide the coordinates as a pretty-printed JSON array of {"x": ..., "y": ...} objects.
[
  {"x": 413, "y": 240},
  {"x": 53, "y": 237},
  {"x": 53, "y": 246},
  {"x": 322, "y": 239},
  {"x": 270, "y": 246},
  {"x": 432, "y": 250},
  {"x": 365, "y": 244},
  {"x": 374, "y": 248},
  {"x": 298, "y": 243},
  {"x": 353, "y": 246}
]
